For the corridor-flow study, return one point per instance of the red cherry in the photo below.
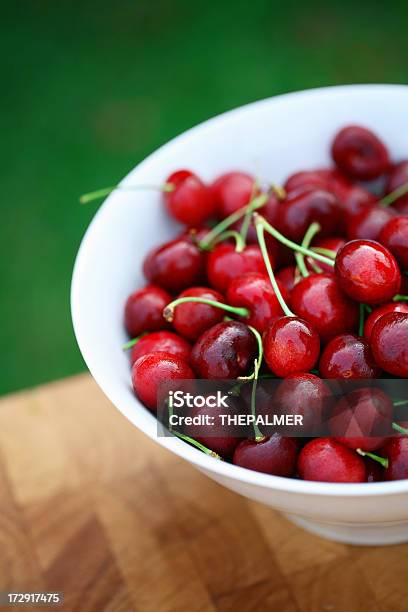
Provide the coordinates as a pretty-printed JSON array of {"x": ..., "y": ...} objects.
[
  {"x": 356, "y": 199},
  {"x": 174, "y": 265},
  {"x": 300, "y": 209},
  {"x": 190, "y": 201},
  {"x": 379, "y": 312},
  {"x": 151, "y": 370},
  {"x": 274, "y": 455},
  {"x": 389, "y": 343},
  {"x": 369, "y": 222},
  {"x": 191, "y": 319},
  {"x": 226, "y": 350},
  {"x": 397, "y": 178},
  {"x": 287, "y": 277},
  {"x": 396, "y": 451},
  {"x": 319, "y": 300},
  {"x": 334, "y": 243},
  {"x": 291, "y": 345},
  {"x": 144, "y": 310},
  {"x": 313, "y": 179},
  {"x": 367, "y": 271},
  {"x": 225, "y": 263},
  {"x": 303, "y": 394},
  {"x": 221, "y": 439},
  {"x": 359, "y": 153},
  {"x": 232, "y": 191},
  {"x": 394, "y": 235},
  {"x": 362, "y": 419},
  {"x": 161, "y": 342},
  {"x": 254, "y": 291},
  {"x": 348, "y": 356},
  {"x": 325, "y": 460}
]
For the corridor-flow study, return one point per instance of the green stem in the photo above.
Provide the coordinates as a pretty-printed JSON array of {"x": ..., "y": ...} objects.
[
  {"x": 198, "y": 445},
  {"x": 102, "y": 193},
  {"x": 381, "y": 460},
  {"x": 247, "y": 218},
  {"x": 390, "y": 198},
  {"x": 260, "y": 229},
  {"x": 361, "y": 320},
  {"x": 400, "y": 429},
  {"x": 313, "y": 229},
  {"x": 328, "y": 252},
  {"x": 289, "y": 243},
  {"x": 132, "y": 342},
  {"x": 399, "y": 298},
  {"x": 256, "y": 203},
  {"x": 257, "y": 365},
  {"x": 168, "y": 312},
  {"x": 400, "y": 403},
  {"x": 239, "y": 241}
]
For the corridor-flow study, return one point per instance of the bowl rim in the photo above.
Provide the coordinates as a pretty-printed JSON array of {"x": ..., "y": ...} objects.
[{"x": 175, "y": 445}]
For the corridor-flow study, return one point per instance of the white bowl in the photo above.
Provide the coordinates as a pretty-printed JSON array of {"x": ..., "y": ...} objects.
[{"x": 270, "y": 138}]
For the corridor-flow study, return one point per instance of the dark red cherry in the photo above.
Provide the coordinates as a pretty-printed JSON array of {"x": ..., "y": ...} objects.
[
  {"x": 389, "y": 343},
  {"x": 313, "y": 179},
  {"x": 305, "y": 395},
  {"x": 367, "y": 272},
  {"x": 254, "y": 291},
  {"x": 161, "y": 342},
  {"x": 362, "y": 419},
  {"x": 291, "y": 345},
  {"x": 396, "y": 451},
  {"x": 222, "y": 439},
  {"x": 369, "y": 223},
  {"x": 175, "y": 265},
  {"x": 348, "y": 356},
  {"x": 397, "y": 178},
  {"x": 144, "y": 310},
  {"x": 190, "y": 201},
  {"x": 325, "y": 460},
  {"x": 379, "y": 312},
  {"x": 356, "y": 199},
  {"x": 300, "y": 209},
  {"x": 191, "y": 319},
  {"x": 225, "y": 263},
  {"x": 319, "y": 300},
  {"x": 151, "y": 370},
  {"x": 232, "y": 191},
  {"x": 287, "y": 278},
  {"x": 334, "y": 244},
  {"x": 375, "y": 471},
  {"x": 226, "y": 350},
  {"x": 359, "y": 153},
  {"x": 394, "y": 235},
  {"x": 274, "y": 455}
]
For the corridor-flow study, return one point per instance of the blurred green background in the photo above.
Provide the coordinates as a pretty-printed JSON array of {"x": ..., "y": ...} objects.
[{"x": 89, "y": 88}]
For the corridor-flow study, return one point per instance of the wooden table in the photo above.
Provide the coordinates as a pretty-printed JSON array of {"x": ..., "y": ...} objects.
[{"x": 91, "y": 507}]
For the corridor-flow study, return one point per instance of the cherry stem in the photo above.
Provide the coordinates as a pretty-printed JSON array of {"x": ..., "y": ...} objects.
[
  {"x": 381, "y": 460},
  {"x": 399, "y": 298},
  {"x": 198, "y": 445},
  {"x": 239, "y": 240},
  {"x": 289, "y": 243},
  {"x": 247, "y": 217},
  {"x": 278, "y": 191},
  {"x": 361, "y": 319},
  {"x": 312, "y": 230},
  {"x": 400, "y": 402},
  {"x": 257, "y": 366},
  {"x": 168, "y": 312},
  {"x": 328, "y": 252},
  {"x": 256, "y": 203},
  {"x": 102, "y": 193},
  {"x": 390, "y": 198},
  {"x": 132, "y": 342},
  {"x": 400, "y": 429},
  {"x": 260, "y": 229}
]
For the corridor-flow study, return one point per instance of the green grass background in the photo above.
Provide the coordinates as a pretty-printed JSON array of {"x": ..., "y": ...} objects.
[{"x": 89, "y": 88}]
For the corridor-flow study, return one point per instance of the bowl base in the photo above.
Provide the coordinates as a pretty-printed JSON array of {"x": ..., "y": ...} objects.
[{"x": 379, "y": 534}]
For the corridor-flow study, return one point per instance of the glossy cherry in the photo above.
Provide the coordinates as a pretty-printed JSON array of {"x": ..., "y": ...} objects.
[
  {"x": 325, "y": 460},
  {"x": 190, "y": 201},
  {"x": 291, "y": 345},
  {"x": 348, "y": 356},
  {"x": 175, "y": 265},
  {"x": 379, "y": 312},
  {"x": 367, "y": 272},
  {"x": 397, "y": 178},
  {"x": 225, "y": 263},
  {"x": 232, "y": 191},
  {"x": 300, "y": 209},
  {"x": 151, "y": 370},
  {"x": 396, "y": 451},
  {"x": 389, "y": 343},
  {"x": 369, "y": 223},
  {"x": 224, "y": 351},
  {"x": 305, "y": 395},
  {"x": 359, "y": 153},
  {"x": 394, "y": 235},
  {"x": 273, "y": 455},
  {"x": 144, "y": 310},
  {"x": 161, "y": 342},
  {"x": 362, "y": 419},
  {"x": 254, "y": 291},
  {"x": 319, "y": 300},
  {"x": 191, "y": 319}
]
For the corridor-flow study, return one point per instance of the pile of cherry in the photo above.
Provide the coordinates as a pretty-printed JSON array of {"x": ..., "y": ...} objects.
[{"x": 310, "y": 276}]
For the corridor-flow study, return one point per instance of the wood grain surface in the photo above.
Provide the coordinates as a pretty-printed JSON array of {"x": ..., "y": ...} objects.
[{"x": 91, "y": 507}]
